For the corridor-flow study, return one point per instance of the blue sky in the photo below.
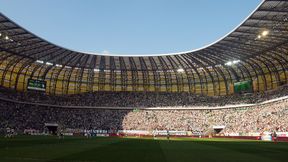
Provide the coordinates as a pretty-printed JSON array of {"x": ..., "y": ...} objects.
[{"x": 129, "y": 26}]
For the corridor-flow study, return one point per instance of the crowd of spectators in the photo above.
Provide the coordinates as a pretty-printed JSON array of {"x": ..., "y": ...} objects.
[
  {"x": 141, "y": 99},
  {"x": 20, "y": 111},
  {"x": 267, "y": 117}
]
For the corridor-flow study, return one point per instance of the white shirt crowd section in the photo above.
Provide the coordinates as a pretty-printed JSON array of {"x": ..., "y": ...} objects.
[{"x": 270, "y": 117}]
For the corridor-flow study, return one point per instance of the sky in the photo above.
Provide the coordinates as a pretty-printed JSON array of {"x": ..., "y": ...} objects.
[{"x": 129, "y": 27}]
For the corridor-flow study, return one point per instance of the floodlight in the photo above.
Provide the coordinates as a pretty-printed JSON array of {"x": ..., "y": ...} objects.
[
  {"x": 265, "y": 33},
  {"x": 39, "y": 61},
  {"x": 49, "y": 63},
  {"x": 229, "y": 63},
  {"x": 180, "y": 70}
]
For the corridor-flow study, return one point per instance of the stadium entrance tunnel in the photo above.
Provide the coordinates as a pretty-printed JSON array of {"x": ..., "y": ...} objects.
[
  {"x": 51, "y": 128},
  {"x": 218, "y": 129}
]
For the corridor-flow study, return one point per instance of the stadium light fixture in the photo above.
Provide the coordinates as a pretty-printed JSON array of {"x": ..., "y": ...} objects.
[
  {"x": 6, "y": 38},
  {"x": 230, "y": 63},
  {"x": 180, "y": 70},
  {"x": 265, "y": 33},
  {"x": 0, "y": 34},
  {"x": 117, "y": 71},
  {"x": 236, "y": 61},
  {"x": 159, "y": 71},
  {"x": 259, "y": 37},
  {"x": 39, "y": 61},
  {"x": 58, "y": 65},
  {"x": 96, "y": 70},
  {"x": 219, "y": 65},
  {"x": 49, "y": 63}
]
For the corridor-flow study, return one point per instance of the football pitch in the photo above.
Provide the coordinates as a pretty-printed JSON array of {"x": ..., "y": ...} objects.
[{"x": 103, "y": 149}]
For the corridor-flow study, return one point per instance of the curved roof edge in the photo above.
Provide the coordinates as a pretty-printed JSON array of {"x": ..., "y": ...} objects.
[
  {"x": 144, "y": 55},
  {"x": 184, "y": 52}
]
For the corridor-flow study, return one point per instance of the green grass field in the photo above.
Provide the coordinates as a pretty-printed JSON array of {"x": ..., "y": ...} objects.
[{"x": 79, "y": 149}]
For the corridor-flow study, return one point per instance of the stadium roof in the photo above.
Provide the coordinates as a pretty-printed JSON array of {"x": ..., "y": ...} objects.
[{"x": 260, "y": 42}]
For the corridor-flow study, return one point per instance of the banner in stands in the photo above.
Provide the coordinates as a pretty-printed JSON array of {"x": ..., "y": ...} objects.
[
  {"x": 195, "y": 133},
  {"x": 172, "y": 133},
  {"x": 134, "y": 132},
  {"x": 282, "y": 134},
  {"x": 98, "y": 133}
]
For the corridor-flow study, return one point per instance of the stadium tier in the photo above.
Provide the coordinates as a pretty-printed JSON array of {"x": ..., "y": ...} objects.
[
  {"x": 239, "y": 120},
  {"x": 139, "y": 100}
]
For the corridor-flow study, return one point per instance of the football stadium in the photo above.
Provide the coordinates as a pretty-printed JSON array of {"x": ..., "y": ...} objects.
[{"x": 224, "y": 102}]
